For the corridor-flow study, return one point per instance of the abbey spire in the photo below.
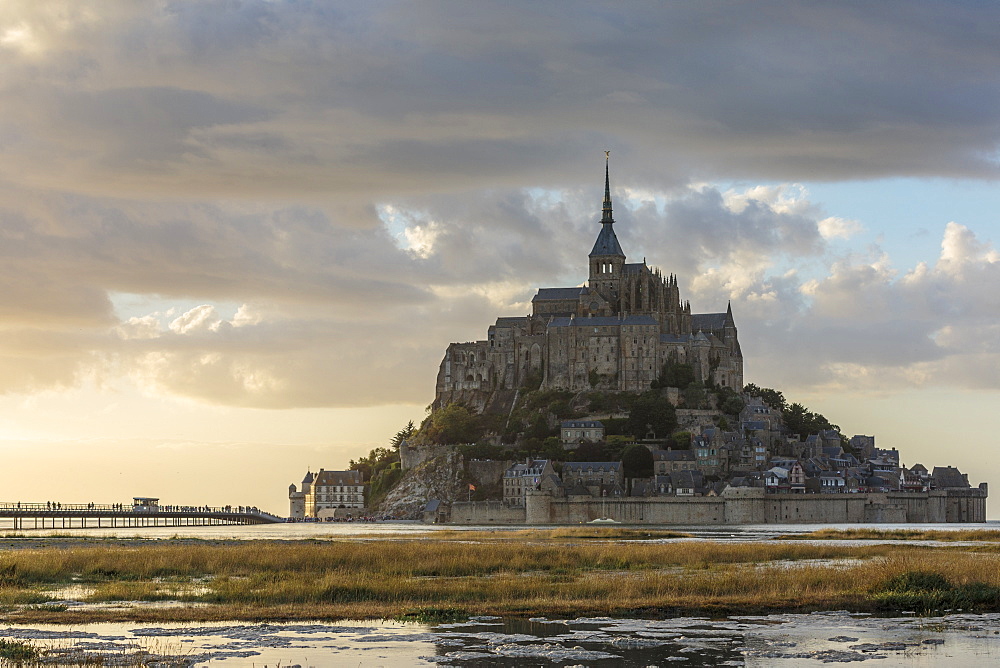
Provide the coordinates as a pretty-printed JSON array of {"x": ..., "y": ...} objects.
[
  {"x": 606, "y": 218},
  {"x": 607, "y": 243}
]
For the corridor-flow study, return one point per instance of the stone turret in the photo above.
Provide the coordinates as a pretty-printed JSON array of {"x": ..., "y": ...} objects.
[{"x": 296, "y": 503}]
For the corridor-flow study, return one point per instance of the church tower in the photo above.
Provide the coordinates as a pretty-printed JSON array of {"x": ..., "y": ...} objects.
[{"x": 607, "y": 260}]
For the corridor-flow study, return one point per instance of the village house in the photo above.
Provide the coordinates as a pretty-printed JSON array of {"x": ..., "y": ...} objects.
[
  {"x": 592, "y": 474},
  {"x": 666, "y": 461},
  {"x": 521, "y": 477},
  {"x": 576, "y": 432}
]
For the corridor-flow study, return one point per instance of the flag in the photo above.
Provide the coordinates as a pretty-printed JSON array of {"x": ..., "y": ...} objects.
[{"x": 472, "y": 488}]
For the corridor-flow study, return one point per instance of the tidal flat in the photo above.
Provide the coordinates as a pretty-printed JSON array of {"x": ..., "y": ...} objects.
[{"x": 455, "y": 575}]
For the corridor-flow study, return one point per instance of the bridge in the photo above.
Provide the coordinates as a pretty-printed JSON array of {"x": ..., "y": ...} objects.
[{"x": 142, "y": 512}]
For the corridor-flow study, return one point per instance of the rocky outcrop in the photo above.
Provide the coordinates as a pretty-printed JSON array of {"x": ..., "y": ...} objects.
[{"x": 441, "y": 477}]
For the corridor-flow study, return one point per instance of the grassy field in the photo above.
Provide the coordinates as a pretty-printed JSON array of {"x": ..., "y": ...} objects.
[
  {"x": 979, "y": 535},
  {"x": 453, "y": 574}
]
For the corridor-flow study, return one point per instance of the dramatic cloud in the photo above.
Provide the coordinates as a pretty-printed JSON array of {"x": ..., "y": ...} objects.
[
  {"x": 349, "y": 104},
  {"x": 297, "y": 204}
]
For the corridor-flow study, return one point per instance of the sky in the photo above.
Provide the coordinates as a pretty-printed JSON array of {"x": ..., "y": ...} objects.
[{"x": 237, "y": 236}]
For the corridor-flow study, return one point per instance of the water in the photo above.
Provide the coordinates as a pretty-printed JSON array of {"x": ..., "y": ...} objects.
[
  {"x": 321, "y": 530},
  {"x": 772, "y": 640}
]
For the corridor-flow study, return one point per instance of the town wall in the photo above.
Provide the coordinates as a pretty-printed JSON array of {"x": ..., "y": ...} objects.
[
  {"x": 412, "y": 456},
  {"x": 485, "y": 512},
  {"x": 735, "y": 506}
]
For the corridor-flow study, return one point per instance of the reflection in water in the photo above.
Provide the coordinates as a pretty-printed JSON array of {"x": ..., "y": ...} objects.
[{"x": 772, "y": 640}]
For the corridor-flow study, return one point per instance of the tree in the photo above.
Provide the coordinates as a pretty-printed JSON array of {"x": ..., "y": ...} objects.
[
  {"x": 800, "y": 420},
  {"x": 637, "y": 461},
  {"x": 674, "y": 374},
  {"x": 651, "y": 412},
  {"x": 728, "y": 401},
  {"x": 589, "y": 452},
  {"x": 695, "y": 396},
  {"x": 401, "y": 435},
  {"x": 772, "y": 398},
  {"x": 378, "y": 460},
  {"x": 552, "y": 448},
  {"x": 453, "y": 424},
  {"x": 681, "y": 440}
]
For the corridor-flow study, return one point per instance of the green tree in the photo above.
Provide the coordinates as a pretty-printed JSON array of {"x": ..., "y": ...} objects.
[
  {"x": 401, "y": 435},
  {"x": 552, "y": 448},
  {"x": 588, "y": 452},
  {"x": 732, "y": 405},
  {"x": 637, "y": 461},
  {"x": 800, "y": 420},
  {"x": 681, "y": 440},
  {"x": 695, "y": 396},
  {"x": 377, "y": 460},
  {"x": 651, "y": 412},
  {"x": 675, "y": 374},
  {"x": 453, "y": 424},
  {"x": 772, "y": 398}
]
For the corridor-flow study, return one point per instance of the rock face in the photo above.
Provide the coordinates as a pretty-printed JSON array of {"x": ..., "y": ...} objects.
[{"x": 440, "y": 477}]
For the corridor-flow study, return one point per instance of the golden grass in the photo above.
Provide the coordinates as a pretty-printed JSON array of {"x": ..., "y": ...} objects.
[
  {"x": 257, "y": 580},
  {"x": 964, "y": 535},
  {"x": 561, "y": 533}
]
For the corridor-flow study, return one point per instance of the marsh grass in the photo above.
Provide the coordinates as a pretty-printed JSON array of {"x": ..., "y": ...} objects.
[
  {"x": 963, "y": 535},
  {"x": 562, "y": 533},
  {"x": 389, "y": 578},
  {"x": 18, "y": 652}
]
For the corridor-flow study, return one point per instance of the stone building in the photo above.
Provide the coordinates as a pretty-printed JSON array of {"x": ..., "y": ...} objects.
[
  {"x": 615, "y": 332},
  {"x": 575, "y": 432},
  {"x": 327, "y": 494},
  {"x": 593, "y": 475},
  {"x": 519, "y": 478}
]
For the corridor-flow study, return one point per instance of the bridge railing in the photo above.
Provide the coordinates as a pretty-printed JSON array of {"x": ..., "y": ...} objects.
[{"x": 14, "y": 506}]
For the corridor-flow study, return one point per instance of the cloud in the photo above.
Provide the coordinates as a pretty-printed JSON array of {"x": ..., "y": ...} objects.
[
  {"x": 867, "y": 325},
  {"x": 350, "y": 105},
  {"x": 366, "y": 183}
]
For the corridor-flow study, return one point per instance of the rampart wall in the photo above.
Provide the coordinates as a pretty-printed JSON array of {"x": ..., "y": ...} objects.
[{"x": 741, "y": 506}]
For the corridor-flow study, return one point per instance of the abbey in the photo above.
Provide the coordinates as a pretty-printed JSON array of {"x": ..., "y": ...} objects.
[{"x": 613, "y": 333}]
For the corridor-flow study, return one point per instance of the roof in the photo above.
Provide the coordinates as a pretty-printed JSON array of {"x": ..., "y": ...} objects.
[
  {"x": 607, "y": 242},
  {"x": 634, "y": 267},
  {"x": 534, "y": 468},
  {"x": 948, "y": 476},
  {"x": 686, "y": 478},
  {"x": 582, "y": 466},
  {"x": 673, "y": 456},
  {"x": 558, "y": 294},
  {"x": 641, "y": 488},
  {"x": 308, "y": 478},
  {"x": 708, "y": 321},
  {"x": 517, "y": 321},
  {"x": 432, "y": 506},
  {"x": 338, "y": 478},
  {"x": 603, "y": 321},
  {"x": 582, "y": 424}
]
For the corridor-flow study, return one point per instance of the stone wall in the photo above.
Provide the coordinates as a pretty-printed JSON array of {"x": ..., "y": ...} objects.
[
  {"x": 736, "y": 506},
  {"x": 412, "y": 456},
  {"x": 485, "y": 512}
]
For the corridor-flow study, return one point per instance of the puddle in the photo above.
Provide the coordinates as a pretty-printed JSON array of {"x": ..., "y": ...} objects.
[{"x": 771, "y": 640}]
